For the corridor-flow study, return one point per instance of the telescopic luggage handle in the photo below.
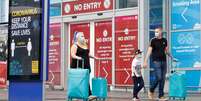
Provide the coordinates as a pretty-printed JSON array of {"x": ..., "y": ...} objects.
[
  {"x": 99, "y": 62},
  {"x": 99, "y": 67},
  {"x": 174, "y": 64},
  {"x": 82, "y": 63}
]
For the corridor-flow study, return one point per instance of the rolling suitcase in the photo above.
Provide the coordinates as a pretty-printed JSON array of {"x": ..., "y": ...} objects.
[
  {"x": 99, "y": 86},
  {"x": 177, "y": 88},
  {"x": 78, "y": 83}
]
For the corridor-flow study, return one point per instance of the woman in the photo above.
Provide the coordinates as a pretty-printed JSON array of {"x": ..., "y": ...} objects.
[{"x": 80, "y": 51}]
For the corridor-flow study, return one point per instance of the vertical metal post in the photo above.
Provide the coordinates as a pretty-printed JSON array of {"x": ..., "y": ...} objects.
[
  {"x": 45, "y": 65},
  {"x": 113, "y": 45}
]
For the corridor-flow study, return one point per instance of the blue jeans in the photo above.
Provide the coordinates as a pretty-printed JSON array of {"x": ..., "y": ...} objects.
[{"x": 160, "y": 69}]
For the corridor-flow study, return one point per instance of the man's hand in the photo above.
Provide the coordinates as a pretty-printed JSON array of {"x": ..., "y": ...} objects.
[
  {"x": 147, "y": 57},
  {"x": 145, "y": 65}
]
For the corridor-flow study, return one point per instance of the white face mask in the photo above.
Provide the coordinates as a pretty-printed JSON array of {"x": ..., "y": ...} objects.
[
  {"x": 156, "y": 34},
  {"x": 139, "y": 56},
  {"x": 82, "y": 40}
]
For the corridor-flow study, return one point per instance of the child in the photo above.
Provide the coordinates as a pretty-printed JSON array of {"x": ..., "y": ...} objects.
[{"x": 138, "y": 81}]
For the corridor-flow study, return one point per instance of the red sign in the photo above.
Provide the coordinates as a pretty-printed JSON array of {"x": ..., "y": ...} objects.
[
  {"x": 55, "y": 54},
  {"x": 3, "y": 74},
  {"x": 86, "y": 6},
  {"x": 83, "y": 27},
  {"x": 126, "y": 41},
  {"x": 103, "y": 49}
]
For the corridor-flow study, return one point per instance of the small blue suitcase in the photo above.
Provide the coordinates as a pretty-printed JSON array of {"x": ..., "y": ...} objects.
[
  {"x": 177, "y": 88},
  {"x": 78, "y": 84},
  {"x": 99, "y": 86}
]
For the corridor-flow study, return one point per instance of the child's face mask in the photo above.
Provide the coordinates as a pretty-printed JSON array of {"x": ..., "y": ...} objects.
[{"x": 139, "y": 56}]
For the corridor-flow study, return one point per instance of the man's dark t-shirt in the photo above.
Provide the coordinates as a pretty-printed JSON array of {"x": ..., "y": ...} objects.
[{"x": 158, "y": 49}]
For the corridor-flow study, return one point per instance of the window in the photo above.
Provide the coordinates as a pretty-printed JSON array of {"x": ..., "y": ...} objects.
[
  {"x": 55, "y": 1},
  {"x": 126, "y": 3},
  {"x": 3, "y": 11},
  {"x": 3, "y": 41},
  {"x": 55, "y": 9}
]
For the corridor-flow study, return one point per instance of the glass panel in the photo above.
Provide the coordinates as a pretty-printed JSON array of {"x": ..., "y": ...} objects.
[
  {"x": 155, "y": 14},
  {"x": 3, "y": 11},
  {"x": 55, "y": 1},
  {"x": 55, "y": 9},
  {"x": 126, "y": 3}
]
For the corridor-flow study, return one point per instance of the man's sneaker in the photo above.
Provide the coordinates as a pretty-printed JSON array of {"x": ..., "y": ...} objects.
[
  {"x": 150, "y": 95},
  {"x": 136, "y": 99},
  {"x": 91, "y": 97},
  {"x": 163, "y": 98}
]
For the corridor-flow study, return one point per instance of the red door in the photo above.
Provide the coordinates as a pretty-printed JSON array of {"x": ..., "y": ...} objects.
[
  {"x": 126, "y": 41},
  {"x": 103, "y": 49}
]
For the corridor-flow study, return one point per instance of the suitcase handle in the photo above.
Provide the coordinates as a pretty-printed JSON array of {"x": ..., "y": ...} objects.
[
  {"x": 99, "y": 62},
  {"x": 99, "y": 67},
  {"x": 175, "y": 62},
  {"x": 82, "y": 63}
]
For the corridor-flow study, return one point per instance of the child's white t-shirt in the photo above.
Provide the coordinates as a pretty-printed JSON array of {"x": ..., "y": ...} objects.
[{"x": 136, "y": 67}]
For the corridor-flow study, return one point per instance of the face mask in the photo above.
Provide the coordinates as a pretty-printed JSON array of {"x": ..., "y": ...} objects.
[
  {"x": 156, "y": 34},
  {"x": 82, "y": 40},
  {"x": 139, "y": 56}
]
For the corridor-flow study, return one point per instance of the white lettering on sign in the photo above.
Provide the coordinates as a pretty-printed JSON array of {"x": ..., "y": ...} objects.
[
  {"x": 78, "y": 7},
  {"x": 104, "y": 51},
  {"x": 20, "y": 26},
  {"x": 126, "y": 38},
  {"x": 108, "y": 39},
  {"x": 186, "y": 49},
  {"x": 54, "y": 43},
  {"x": 87, "y": 6},
  {"x": 20, "y": 22},
  {"x": 25, "y": 32},
  {"x": 187, "y": 3}
]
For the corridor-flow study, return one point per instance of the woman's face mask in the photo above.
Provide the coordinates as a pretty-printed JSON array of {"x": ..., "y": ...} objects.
[{"x": 81, "y": 38}]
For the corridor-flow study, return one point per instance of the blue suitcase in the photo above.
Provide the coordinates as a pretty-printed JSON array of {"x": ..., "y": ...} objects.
[
  {"x": 177, "y": 88},
  {"x": 78, "y": 84},
  {"x": 99, "y": 86}
]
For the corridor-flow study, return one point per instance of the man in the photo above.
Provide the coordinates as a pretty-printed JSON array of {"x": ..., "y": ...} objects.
[{"x": 158, "y": 50}]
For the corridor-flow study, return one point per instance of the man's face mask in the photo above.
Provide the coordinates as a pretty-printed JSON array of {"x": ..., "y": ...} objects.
[{"x": 156, "y": 34}]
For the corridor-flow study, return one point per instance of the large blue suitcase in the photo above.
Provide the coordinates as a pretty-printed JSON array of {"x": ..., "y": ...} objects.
[
  {"x": 78, "y": 84},
  {"x": 99, "y": 87},
  {"x": 177, "y": 88}
]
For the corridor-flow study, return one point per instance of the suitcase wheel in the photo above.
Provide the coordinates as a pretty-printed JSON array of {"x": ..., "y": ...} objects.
[
  {"x": 172, "y": 98},
  {"x": 69, "y": 99}
]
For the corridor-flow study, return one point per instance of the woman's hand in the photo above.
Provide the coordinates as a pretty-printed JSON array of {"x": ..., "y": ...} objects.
[
  {"x": 96, "y": 58},
  {"x": 79, "y": 58},
  {"x": 93, "y": 57}
]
